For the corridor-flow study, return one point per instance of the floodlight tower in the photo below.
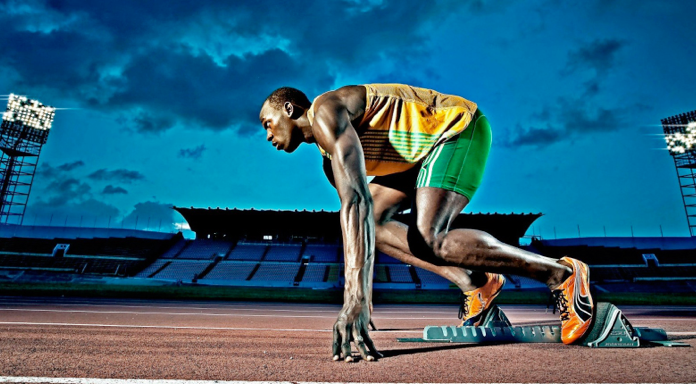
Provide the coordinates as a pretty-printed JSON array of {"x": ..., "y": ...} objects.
[
  {"x": 25, "y": 127},
  {"x": 680, "y": 135}
]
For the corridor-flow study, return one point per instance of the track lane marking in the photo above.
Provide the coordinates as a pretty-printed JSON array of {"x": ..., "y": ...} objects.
[
  {"x": 187, "y": 327},
  {"x": 78, "y": 380},
  {"x": 207, "y": 314}
]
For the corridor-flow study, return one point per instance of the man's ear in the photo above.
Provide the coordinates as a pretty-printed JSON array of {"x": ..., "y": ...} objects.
[
  {"x": 289, "y": 108},
  {"x": 293, "y": 111}
]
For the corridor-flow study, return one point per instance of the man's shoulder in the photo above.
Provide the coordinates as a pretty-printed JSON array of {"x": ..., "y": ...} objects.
[
  {"x": 350, "y": 98},
  {"x": 341, "y": 96}
]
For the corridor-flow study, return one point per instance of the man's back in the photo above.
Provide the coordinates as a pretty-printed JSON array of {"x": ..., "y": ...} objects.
[{"x": 401, "y": 124}]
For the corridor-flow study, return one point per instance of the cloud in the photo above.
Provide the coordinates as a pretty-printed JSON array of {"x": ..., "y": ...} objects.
[
  {"x": 111, "y": 190},
  {"x": 122, "y": 175},
  {"x": 205, "y": 64},
  {"x": 68, "y": 197},
  {"x": 67, "y": 167},
  {"x": 599, "y": 55},
  {"x": 64, "y": 191},
  {"x": 159, "y": 215},
  {"x": 192, "y": 153},
  {"x": 88, "y": 208},
  {"x": 567, "y": 120},
  {"x": 46, "y": 170},
  {"x": 534, "y": 136}
]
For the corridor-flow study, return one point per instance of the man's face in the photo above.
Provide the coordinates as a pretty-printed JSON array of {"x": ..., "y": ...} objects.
[{"x": 280, "y": 129}]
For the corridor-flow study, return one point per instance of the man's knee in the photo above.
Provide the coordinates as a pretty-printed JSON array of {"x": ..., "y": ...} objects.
[
  {"x": 424, "y": 244},
  {"x": 467, "y": 243}
]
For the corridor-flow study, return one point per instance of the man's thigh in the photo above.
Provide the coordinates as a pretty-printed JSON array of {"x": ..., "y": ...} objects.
[
  {"x": 458, "y": 164},
  {"x": 393, "y": 193}
]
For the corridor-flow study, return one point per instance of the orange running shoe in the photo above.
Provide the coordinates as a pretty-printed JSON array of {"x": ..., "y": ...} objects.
[
  {"x": 574, "y": 302},
  {"x": 475, "y": 303}
]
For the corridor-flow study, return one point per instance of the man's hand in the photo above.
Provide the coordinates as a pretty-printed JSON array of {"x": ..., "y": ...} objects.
[{"x": 352, "y": 326}]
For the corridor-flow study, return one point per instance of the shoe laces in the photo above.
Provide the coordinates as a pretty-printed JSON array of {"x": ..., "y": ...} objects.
[
  {"x": 464, "y": 306},
  {"x": 561, "y": 304}
]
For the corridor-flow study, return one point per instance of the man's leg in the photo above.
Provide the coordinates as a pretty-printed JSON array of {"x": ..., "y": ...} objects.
[
  {"x": 431, "y": 237},
  {"x": 390, "y": 194}
]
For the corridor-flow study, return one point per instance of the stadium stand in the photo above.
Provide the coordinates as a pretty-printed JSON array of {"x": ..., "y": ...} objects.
[
  {"x": 322, "y": 253},
  {"x": 399, "y": 274},
  {"x": 430, "y": 278},
  {"x": 152, "y": 268},
  {"x": 681, "y": 256},
  {"x": 182, "y": 269},
  {"x": 283, "y": 252},
  {"x": 205, "y": 249},
  {"x": 175, "y": 249},
  {"x": 384, "y": 259},
  {"x": 381, "y": 274},
  {"x": 231, "y": 270},
  {"x": 252, "y": 252},
  {"x": 276, "y": 272},
  {"x": 315, "y": 273}
]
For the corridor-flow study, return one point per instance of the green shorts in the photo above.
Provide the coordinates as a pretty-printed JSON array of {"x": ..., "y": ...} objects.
[{"x": 458, "y": 163}]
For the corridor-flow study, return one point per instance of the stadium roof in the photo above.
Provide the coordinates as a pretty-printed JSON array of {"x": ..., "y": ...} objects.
[{"x": 284, "y": 225}]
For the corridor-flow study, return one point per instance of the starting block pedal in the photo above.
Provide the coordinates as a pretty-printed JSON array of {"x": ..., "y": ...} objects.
[{"x": 610, "y": 329}]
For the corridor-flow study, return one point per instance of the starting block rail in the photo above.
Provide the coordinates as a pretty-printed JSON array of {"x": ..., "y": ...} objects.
[{"x": 610, "y": 329}]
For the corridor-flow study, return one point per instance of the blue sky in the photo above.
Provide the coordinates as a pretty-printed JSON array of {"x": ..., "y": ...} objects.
[{"x": 164, "y": 100}]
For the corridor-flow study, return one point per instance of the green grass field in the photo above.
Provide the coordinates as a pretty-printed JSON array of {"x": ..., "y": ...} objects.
[{"x": 192, "y": 292}]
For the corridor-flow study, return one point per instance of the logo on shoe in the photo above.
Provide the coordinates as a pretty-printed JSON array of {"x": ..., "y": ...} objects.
[{"x": 582, "y": 304}]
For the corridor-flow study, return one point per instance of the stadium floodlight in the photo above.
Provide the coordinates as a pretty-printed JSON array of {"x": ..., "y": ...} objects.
[
  {"x": 680, "y": 137},
  {"x": 29, "y": 112},
  {"x": 24, "y": 130}
]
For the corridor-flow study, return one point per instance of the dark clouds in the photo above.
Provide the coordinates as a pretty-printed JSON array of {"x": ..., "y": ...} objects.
[
  {"x": 192, "y": 153},
  {"x": 158, "y": 215},
  {"x": 48, "y": 171},
  {"x": 122, "y": 175},
  {"x": 64, "y": 190},
  {"x": 567, "y": 120},
  {"x": 206, "y": 64},
  {"x": 599, "y": 55},
  {"x": 570, "y": 117},
  {"x": 111, "y": 190}
]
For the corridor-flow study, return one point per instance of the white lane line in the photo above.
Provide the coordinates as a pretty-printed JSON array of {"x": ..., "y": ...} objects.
[
  {"x": 207, "y": 314},
  {"x": 76, "y": 380},
  {"x": 313, "y": 310},
  {"x": 187, "y": 327},
  {"x": 376, "y": 317}
]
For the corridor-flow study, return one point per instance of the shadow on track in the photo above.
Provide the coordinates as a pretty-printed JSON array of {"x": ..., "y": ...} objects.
[{"x": 412, "y": 351}]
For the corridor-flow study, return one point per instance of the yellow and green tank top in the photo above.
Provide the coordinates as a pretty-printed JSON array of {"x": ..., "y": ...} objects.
[{"x": 402, "y": 124}]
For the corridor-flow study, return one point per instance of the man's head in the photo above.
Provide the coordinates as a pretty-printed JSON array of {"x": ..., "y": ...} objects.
[{"x": 279, "y": 117}]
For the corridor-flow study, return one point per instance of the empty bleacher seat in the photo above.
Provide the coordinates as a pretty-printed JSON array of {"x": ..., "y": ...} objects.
[
  {"x": 279, "y": 252},
  {"x": 231, "y": 270},
  {"x": 322, "y": 253},
  {"x": 400, "y": 274},
  {"x": 278, "y": 272},
  {"x": 152, "y": 268},
  {"x": 175, "y": 249},
  {"x": 182, "y": 270},
  {"x": 314, "y": 273},
  {"x": 252, "y": 252},
  {"x": 205, "y": 249},
  {"x": 427, "y": 277},
  {"x": 386, "y": 259}
]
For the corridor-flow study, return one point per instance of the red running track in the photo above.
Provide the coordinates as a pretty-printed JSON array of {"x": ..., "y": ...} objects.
[{"x": 137, "y": 339}]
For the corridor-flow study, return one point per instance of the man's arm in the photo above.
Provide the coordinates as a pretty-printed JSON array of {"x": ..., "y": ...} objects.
[
  {"x": 337, "y": 136},
  {"x": 328, "y": 171}
]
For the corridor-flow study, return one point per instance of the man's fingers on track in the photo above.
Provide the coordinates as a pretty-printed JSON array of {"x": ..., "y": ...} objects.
[
  {"x": 370, "y": 344},
  {"x": 345, "y": 345},
  {"x": 360, "y": 342},
  {"x": 336, "y": 343}
]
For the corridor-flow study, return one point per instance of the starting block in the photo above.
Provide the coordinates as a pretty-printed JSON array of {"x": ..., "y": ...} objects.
[{"x": 610, "y": 329}]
